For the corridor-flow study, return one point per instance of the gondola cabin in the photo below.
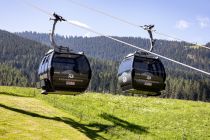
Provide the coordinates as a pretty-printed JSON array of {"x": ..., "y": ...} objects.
[
  {"x": 141, "y": 72},
  {"x": 64, "y": 70}
]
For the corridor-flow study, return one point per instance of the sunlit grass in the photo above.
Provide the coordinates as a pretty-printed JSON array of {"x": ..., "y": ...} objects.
[{"x": 105, "y": 116}]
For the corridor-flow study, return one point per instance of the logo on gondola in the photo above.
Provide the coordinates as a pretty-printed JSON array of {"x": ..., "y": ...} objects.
[
  {"x": 70, "y": 76},
  {"x": 124, "y": 77},
  {"x": 149, "y": 77}
]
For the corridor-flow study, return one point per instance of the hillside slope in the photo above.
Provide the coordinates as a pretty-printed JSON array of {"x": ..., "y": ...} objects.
[
  {"x": 22, "y": 54},
  {"x": 11, "y": 76},
  {"x": 100, "y": 116}
]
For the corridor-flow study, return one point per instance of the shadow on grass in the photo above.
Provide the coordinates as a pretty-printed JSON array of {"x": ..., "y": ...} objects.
[
  {"x": 13, "y": 94},
  {"x": 124, "y": 124},
  {"x": 92, "y": 134},
  {"x": 91, "y": 130}
]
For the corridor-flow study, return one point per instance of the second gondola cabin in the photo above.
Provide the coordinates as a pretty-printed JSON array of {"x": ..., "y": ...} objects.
[
  {"x": 141, "y": 72},
  {"x": 64, "y": 71}
]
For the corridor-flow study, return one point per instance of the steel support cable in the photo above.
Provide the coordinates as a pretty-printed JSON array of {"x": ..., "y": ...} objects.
[
  {"x": 36, "y": 7},
  {"x": 131, "y": 24},
  {"x": 178, "y": 39},
  {"x": 136, "y": 47},
  {"x": 120, "y": 41},
  {"x": 103, "y": 13}
]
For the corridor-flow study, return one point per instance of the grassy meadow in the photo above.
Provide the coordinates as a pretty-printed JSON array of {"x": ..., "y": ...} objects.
[{"x": 26, "y": 114}]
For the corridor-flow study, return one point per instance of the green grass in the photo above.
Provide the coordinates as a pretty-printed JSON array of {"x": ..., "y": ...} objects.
[
  {"x": 28, "y": 118},
  {"x": 99, "y": 116}
]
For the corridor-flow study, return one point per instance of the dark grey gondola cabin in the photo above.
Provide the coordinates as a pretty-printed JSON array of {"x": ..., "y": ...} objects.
[
  {"x": 64, "y": 70},
  {"x": 141, "y": 72}
]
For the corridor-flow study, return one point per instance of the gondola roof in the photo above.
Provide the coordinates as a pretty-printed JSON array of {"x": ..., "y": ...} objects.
[
  {"x": 141, "y": 54},
  {"x": 64, "y": 50}
]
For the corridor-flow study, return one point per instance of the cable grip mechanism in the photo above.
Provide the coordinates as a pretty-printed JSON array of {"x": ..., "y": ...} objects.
[
  {"x": 149, "y": 29},
  {"x": 55, "y": 19}
]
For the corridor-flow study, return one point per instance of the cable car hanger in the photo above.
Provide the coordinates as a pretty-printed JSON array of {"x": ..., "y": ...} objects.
[
  {"x": 55, "y": 19},
  {"x": 149, "y": 28}
]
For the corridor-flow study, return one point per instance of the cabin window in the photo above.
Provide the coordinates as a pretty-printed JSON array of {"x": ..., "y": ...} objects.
[
  {"x": 126, "y": 65},
  {"x": 148, "y": 65},
  {"x": 44, "y": 60},
  {"x": 62, "y": 64},
  {"x": 83, "y": 65},
  {"x": 77, "y": 64},
  {"x": 142, "y": 65}
]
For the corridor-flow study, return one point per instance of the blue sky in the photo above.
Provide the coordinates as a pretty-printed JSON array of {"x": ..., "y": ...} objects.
[{"x": 186, "y": 19}]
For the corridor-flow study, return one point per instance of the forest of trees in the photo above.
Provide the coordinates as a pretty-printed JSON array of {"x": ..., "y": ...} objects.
[
  {"x": 23, "y": 55},
  {"x": 11, "y": 76}
]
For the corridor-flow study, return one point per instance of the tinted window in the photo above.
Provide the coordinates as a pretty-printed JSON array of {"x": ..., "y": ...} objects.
[
  {"x": 43, "y": 61},
  {"x": 148, "y": 65},
  {"x": 83, "y": 64},
  {"x": 77, "y": 64},
  {"x": 63, "y": 64},
  {"x": 43, "y": 65},
  {"x": 160, "y": 68},
  {"x": 47, "y": 59},
  {"x": 125, "y": 65},
  {"x": 141, "y": 65}
]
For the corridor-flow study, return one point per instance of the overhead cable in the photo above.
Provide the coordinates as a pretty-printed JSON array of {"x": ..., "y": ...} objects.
[
  {"x": 131, "y": 23},
  {"x": 36, "y": 7},
  {"x": 136, "y": 47}
]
